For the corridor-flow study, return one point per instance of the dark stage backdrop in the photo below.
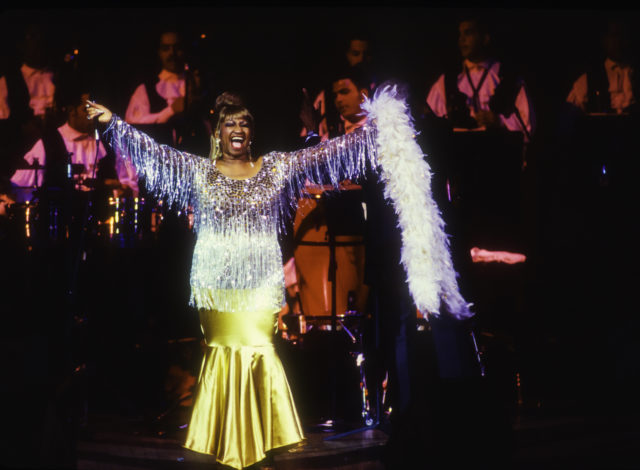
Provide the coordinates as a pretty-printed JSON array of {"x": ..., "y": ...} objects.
[{"x": 270, "y": 53}]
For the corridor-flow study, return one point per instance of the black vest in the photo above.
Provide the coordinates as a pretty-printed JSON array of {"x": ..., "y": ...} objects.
[
  {"x": 161, "y": 133},
  {"x": 18, "y": 95},
  {"x": 502, "y": 102},
  {"x": 57, "y": 159}
]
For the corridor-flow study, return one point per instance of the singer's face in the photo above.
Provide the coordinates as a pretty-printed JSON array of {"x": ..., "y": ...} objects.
[
  {"x": 170, "y": 52},
  {"x": 235, "y": 136}
]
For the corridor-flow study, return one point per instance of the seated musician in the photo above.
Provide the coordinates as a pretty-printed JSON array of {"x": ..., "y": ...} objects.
[{"x": 72, "y": 151}]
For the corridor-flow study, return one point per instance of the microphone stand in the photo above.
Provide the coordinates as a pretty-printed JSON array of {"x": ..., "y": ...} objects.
[
  {"x": 370, "y": 423},
  {"x": 78, "y": 365}
]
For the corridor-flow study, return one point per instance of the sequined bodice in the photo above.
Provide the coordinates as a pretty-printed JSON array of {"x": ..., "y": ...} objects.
[
  {"x": 237, "y": 263},
  {"x": 237, "y": 247}
]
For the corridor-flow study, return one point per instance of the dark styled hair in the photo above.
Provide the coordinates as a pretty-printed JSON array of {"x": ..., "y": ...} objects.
[
  {"x": 231, "y": 104},
  {"x": 358, "y": 74}
]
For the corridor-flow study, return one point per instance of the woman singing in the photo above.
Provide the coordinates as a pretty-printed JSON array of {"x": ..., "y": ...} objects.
[{"x": 243, "y": 406}]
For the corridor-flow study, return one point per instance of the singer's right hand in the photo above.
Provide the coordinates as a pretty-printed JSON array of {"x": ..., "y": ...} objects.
[{"x": 97, "y": 110}]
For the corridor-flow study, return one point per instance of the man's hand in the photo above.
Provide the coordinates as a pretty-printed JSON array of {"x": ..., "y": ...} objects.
[
  {"x": 487, "y": 119},
  {"x": 308, "y": 114}
]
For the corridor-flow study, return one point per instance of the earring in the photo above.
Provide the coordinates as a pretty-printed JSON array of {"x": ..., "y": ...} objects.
[
  {"x": 215, "y": 148},
  {"x": 250, "y": 156}
]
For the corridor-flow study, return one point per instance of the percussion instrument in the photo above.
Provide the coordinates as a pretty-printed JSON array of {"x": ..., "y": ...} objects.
[{"x": 329, "y": 243}]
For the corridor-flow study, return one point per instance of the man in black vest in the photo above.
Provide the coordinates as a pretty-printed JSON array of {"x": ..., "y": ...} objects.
[
  {"x": 610, "y": 85},
  {"x": 169, "y": 105},
  {"x": 28, "y": 85},
  {"x": 482, "y": 93},
  {"x": 73, "y": 160}
]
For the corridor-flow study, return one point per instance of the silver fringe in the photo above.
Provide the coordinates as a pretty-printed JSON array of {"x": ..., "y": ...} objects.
[{"x": 237, "y": 264}]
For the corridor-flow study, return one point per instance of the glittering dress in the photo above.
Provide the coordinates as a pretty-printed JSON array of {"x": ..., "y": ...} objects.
[{"x": 243, "y": 405}]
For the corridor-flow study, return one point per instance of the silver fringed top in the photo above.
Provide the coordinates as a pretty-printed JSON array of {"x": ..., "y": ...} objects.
[{"x": 237, "y": 263}]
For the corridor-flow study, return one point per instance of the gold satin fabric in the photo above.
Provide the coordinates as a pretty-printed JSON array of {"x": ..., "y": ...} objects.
[{"x": 243, "y": 406}]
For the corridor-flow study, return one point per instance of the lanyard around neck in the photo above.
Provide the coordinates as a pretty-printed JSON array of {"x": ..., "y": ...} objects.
[{"x": 476, "y": 88}]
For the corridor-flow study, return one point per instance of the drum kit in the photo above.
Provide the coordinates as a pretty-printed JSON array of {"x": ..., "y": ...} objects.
[{"x": 50, "y": 215}]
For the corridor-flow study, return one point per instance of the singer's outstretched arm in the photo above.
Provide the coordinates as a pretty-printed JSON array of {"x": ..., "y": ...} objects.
[{"x": 168, "y": 173}]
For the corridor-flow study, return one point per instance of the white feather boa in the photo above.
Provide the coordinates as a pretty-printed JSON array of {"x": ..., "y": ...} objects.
[{"x": 407, "y": 176}]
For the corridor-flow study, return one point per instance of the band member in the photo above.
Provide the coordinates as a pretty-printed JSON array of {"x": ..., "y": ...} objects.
[
  {"x": 27, "y": 91},
  {"x": 486, "y": 93},
  {"x": 356, "y": 52},
  {"x": 611, "y": 84},
  {"x": 54, "y": 157},
  {"x": 168, "y": 105},
  {"x": 343, "y": 211}
]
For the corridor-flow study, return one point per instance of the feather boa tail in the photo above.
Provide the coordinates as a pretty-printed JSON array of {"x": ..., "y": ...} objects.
[{"x": 407, "y": 176}]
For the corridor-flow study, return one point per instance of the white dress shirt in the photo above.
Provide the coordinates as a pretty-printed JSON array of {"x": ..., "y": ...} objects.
[
  {"x": 620, "y": 89},
  {"x": 170, "y": 87},
  {"x": 41, "y": 90},
  {"x": 436, "y": 99}
]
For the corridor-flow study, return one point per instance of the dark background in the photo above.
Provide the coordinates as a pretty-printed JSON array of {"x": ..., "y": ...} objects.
[
  {"x": 269, "y": 53},
  {"x": 576, "y": 334}
]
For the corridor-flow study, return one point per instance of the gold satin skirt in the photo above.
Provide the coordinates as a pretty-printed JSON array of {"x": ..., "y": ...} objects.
[{"x": 243, "y": 404}]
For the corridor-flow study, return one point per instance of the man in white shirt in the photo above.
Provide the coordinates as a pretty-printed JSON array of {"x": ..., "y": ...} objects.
[
  {"x": 171, "y": 105},
  {"x": 484, "y": 94},
  {"x": 36, "y": 76},
  {"x": 72, "y": 143},
  {"x": 170, "y": 86},
  {"x": 357, "y": 53},
  {"x": 610, "y": 87},
  {"x": 26, "y": 98}
]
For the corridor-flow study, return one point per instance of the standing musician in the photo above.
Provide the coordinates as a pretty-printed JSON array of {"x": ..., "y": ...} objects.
[
  {"x": 486, "y": 93},
  {"x": 356, "y": 52},
  {"x": 168, "y": 105},
  {"x": 349, "y": 90},
  {"x": 611, "y": 84},
  {"x": 27, "y": 89}
]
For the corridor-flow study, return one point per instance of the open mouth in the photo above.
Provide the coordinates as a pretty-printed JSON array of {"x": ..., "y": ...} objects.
[{"x": 236, "y": 142}]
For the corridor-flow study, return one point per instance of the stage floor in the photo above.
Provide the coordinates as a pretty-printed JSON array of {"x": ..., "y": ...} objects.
[{"x": 549, "y": 441}]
